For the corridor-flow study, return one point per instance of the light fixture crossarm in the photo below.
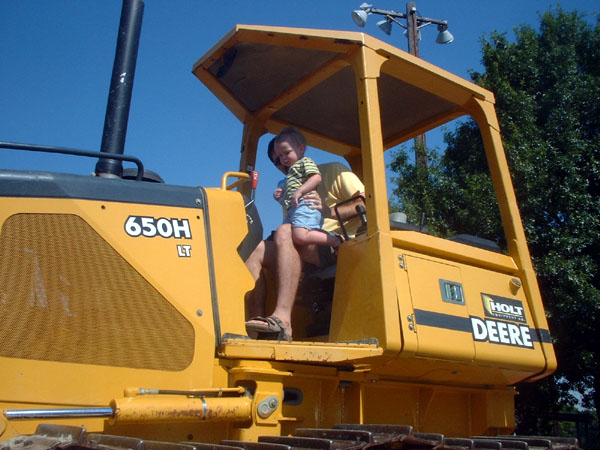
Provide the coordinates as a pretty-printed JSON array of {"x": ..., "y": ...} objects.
[
  {"x": 413, "y": 24},
  {"x": 393, "y": 19},
  {"x": 397, "y": 15}
]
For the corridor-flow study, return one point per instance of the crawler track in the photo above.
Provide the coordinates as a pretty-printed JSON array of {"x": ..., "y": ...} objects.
[{"x": 341, "y": 437}]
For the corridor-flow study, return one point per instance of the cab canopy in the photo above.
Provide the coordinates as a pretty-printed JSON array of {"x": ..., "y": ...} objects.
[
  {"x": 351, "y": 95},
  {"x": 273, "y": 77}
]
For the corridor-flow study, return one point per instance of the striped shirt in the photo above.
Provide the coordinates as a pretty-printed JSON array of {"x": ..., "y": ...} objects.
[{"x": 297, "y": 175}]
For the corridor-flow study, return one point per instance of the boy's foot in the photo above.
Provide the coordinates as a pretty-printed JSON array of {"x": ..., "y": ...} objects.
[{"x": 338, "y": 239}]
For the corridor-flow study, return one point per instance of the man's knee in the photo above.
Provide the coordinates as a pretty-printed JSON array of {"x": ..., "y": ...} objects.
[
  {"x": 255, "y": 261},
  {"x": 283, "y": 234},
  {"x": 257, "y": 254}
]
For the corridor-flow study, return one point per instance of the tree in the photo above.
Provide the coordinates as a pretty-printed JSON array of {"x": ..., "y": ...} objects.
[{"x": 547, "y": 88}]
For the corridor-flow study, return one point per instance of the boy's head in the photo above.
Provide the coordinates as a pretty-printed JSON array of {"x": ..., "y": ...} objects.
[
  {"x": 293, "y": 137},
  {"x": 290, "y": 146}
]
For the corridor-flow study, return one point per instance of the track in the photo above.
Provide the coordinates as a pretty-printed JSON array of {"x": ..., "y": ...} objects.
[{"x": 341, "y": 437}]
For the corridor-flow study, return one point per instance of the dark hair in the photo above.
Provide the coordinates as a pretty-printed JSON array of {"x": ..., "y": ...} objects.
[
  {"x": 271, "y": 150},
  {"x": 293, "y": 136}
]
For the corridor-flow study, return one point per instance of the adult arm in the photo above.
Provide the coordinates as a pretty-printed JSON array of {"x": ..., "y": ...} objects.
[{"x": 345, "y": 210}]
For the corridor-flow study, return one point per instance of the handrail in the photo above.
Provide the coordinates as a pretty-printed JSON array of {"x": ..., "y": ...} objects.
[
  {"x": 243, "y": 178},
  {"x": 75, "y": 152}
]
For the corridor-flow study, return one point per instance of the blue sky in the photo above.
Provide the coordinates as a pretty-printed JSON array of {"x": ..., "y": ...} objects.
[{"x": 57, "y": 58}]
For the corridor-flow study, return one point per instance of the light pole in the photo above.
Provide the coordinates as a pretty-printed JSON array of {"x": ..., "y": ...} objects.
[{"x": 413, "y": 26}]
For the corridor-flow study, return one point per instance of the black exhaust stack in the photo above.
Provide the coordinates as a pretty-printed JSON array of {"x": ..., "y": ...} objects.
[{"x": 121, "y": 87}]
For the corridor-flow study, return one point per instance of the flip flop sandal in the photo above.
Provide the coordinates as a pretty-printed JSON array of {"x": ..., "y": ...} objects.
[{"x": 272, "y": 326}]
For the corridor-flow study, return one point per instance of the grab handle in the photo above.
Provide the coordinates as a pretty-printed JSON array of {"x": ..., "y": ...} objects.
[{"x": 243, "y": 177}]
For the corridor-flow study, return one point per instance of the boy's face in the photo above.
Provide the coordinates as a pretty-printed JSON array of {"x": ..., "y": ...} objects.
[
  {"x": 278, "y": 164},
  {"x": 288, "y": 153}
]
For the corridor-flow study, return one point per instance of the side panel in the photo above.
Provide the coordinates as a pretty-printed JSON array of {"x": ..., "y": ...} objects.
[
  {"x": 425, "y": 278},
  {"x": 102, "y": 295},
  {"x": 468, "y": 313},
  {"x": 228, "y": 226}
]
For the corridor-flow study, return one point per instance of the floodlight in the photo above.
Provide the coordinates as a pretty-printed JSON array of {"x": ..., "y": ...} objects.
[
  {"x": 385, "y": 25},
  {"x": 444, "y": 36},
  {"x": 360, "y": 17}
]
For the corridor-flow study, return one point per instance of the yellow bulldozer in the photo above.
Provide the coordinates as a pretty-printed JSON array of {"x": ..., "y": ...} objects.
[{"x": 122, "y": 299}]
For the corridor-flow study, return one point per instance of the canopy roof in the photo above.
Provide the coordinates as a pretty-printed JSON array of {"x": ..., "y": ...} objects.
[{"x": 306, "y": 78}]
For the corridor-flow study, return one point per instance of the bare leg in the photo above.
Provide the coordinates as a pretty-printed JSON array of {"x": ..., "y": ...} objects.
[
  {"x": 264, "y": 255},
  {"x": 310, "y": 254},
  {"x": 302, "y": 237},
  {"x": 289, "y": 267}
]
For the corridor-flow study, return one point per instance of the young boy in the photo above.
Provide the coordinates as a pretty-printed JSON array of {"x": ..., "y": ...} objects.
[{"x": 303, "y": 176}]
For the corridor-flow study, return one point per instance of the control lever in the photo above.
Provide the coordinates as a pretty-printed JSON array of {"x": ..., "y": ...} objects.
[{"x": 362, "y": 214}]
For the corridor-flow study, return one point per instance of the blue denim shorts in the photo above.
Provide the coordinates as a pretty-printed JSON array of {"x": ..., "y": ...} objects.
[{"x": 304, "y": 217}]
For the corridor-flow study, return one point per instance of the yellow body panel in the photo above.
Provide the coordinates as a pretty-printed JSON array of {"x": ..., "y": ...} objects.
[
  {"x": 180, "y": 277},
  {"x": 228, "y": 227}
]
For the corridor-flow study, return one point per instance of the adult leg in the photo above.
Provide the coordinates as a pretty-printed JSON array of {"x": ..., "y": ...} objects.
[
  {"x": 310, "y": 254},
  {"x": 288, "y": 268},
  {"x": 264, "y": 255}
]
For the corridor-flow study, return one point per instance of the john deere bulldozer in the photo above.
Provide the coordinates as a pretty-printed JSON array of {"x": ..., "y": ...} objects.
[{"x": 122, "y": 298}]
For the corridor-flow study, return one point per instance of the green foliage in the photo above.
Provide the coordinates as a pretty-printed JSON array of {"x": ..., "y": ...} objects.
[
  {"x": 547, "y": 88},
  {"x": 451, "y": 200}
]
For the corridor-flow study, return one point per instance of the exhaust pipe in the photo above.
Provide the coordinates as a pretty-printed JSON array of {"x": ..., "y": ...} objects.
[{"x": 121, "y": 87}]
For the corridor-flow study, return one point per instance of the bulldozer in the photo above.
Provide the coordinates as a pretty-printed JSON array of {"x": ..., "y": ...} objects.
[{"x": 122, "y": 297}]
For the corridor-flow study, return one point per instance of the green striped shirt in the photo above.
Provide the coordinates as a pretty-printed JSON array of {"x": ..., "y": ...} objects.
[{"x": 297, "y": 175}]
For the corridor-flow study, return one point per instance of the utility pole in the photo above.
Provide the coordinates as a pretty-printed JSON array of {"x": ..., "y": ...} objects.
[
  {"x": 413, "y": 25},
  {"x": 412, "y": 31}
]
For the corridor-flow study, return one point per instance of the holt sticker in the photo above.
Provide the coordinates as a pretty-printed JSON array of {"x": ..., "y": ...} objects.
[{"x": 503, "y": 308}]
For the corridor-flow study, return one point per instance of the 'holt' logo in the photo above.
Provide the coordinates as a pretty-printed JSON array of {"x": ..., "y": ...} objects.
[{"x": 503, "y": 308}]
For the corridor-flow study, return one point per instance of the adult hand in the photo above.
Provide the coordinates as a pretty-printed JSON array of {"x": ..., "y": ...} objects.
[{"x": 314, "y": 200}]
